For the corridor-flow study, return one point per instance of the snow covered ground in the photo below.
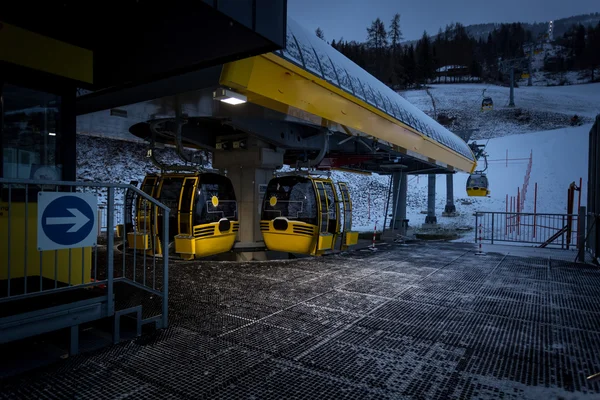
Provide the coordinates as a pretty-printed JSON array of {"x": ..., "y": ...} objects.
[{"x": 559, "y": 153}]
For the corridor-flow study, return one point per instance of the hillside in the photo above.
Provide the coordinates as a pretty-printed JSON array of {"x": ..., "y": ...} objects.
[{"x": 561, "y": 26}]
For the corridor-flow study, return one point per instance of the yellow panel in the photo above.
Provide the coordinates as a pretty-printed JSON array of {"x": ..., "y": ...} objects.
[
  {"x": 325, "y": 242},
  {"x": 138, "y": 241},
  {"x": 211, "y": 245},
  {"x": 351, "y": 238},
  {"x": 479, "y": 192},
  {"x": 185, "y": 245},
  {"x": 32, "y": 50},
  {"x": 53, "y": 262},
  {"x": 272, "y": 82},
  {"x": 287, "y": 241}
]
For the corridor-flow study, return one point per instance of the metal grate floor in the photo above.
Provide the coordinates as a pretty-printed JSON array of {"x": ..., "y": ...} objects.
[{"x": 426, "y": 320}]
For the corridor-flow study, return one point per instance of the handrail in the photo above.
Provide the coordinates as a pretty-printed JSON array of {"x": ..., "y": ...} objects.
[{"x": 87, "y": 184}]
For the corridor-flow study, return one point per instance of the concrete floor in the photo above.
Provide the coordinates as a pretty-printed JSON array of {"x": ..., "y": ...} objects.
[{"x": 423, "y": 320}]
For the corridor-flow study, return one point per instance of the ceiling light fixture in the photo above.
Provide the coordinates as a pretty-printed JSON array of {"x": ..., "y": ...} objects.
[{"x": 229, "y": 97}]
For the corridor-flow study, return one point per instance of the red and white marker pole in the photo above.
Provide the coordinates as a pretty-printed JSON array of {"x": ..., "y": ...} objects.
[
  {"x": 372, "y": 246},
  {"x": 374, "y": 232}
]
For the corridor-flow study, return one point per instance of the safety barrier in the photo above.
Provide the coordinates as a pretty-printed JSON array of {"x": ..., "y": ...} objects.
[
  {"x": 56, "y": 272},
  {"x": 545, "y": 230},
  {"x": 593, "y": 192},
  {"x": 118, "y": 216}
]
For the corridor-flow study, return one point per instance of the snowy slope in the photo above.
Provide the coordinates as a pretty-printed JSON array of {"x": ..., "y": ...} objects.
[
  {"x": 559, "y": 158},
  {"x": 559, "y": 155}
]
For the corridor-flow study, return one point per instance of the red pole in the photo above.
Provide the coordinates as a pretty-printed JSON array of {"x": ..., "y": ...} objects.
[
  {"x": 578, "y": 207},
  {"x": 512, "y": 211},
  {"x": 534, "y": 207},
  {"x": 369, "y": 205}
]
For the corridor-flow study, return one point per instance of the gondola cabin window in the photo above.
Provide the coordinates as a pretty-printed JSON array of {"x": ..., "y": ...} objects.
[
  {"x": 291, "y": 197},
  {"x": 216, "y": 200}
]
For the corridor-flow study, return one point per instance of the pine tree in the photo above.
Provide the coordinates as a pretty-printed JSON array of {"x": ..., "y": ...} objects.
[
  {"x": 396, "y": 69},
  {"x": 377, "y": 41},
  {"x": 593, "y": 48},
  {"x": 377, "y": 36},
  {"x": 409, "y": 63},
  {"x": 320, "y": 34},
  {"x": 395, "y": 33},
  {"x": 424, "y": 59}
]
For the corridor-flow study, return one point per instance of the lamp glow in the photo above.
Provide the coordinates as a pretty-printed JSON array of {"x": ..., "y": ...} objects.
[{"x": 229, "y": 97}]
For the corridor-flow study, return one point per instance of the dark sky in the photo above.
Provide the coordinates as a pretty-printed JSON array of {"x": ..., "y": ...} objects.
[{"x": 350, "y": 18}]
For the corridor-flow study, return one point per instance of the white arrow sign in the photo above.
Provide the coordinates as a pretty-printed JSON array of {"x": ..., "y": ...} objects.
[{"x": 78, "y": 220}]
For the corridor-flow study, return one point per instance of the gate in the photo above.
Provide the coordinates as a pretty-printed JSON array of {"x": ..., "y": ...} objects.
[
  {"x": 47, "y": 290},
  {"x": 544, "y": 230}
]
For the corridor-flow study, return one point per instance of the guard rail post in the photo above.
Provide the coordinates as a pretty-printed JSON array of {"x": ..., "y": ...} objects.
[
  {"x": 493, "y": 227},
  {"x": 581, "y": 235},
  {"x": 109, "y": 249}
]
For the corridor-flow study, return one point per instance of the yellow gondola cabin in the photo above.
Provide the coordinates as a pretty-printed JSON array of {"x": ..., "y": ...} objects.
[
  {"x": 301, "y": 214},
  {"x": 203, "y": 220}
]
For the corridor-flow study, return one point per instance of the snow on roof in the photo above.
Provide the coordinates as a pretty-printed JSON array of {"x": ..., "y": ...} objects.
[
  {"x": 449, "y": 67},
  {"x": 314, "y": 55}
]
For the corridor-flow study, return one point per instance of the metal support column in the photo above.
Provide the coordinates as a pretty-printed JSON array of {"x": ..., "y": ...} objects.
[
  {"x": 431, "y": 219},
  {"x": 395, "y": 223},
  {"x": 402, "y": 203},
  {"x": 450, "y": 209},
  {"x": 399, "y": 180}
]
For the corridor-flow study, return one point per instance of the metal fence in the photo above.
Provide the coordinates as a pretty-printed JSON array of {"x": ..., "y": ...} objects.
[
  {"x": 593, "y": 192},
  {"x": 545, "y": 230},
  {"x": 119, "y": 212},
  {"x": 40, "y": 289}
]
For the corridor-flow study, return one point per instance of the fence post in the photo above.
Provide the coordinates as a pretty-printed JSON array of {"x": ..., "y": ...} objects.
[
  {"x": 109, "y": 248},
  {"x": 581, "y": 235},
  {"x": 518, "y": 212},
  {"x": 506, "y": 218},
  {"x": 562, "y": 244},
  {"x": 534, "y": 208},
  {"x": 165, "y": 299},
  {"x": 492, "y": 228},
  {"x": 476, "y": 224}
]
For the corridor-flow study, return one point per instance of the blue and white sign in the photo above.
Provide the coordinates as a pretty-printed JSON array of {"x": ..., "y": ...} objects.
[{"x": 66, "y": 220}]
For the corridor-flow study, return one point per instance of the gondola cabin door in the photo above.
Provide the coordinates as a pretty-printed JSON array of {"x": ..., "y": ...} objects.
[
  {"x": 349, "y": 238},
  {"x": 329, "y": 215},
  {"x": 186, "y": 206}
]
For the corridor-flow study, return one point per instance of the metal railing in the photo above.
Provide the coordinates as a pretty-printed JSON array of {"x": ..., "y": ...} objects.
[
  {"x": 128, "y": 277},
  {"x": 545, "y": 230},
  {"x": 118, "y": 216}
]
